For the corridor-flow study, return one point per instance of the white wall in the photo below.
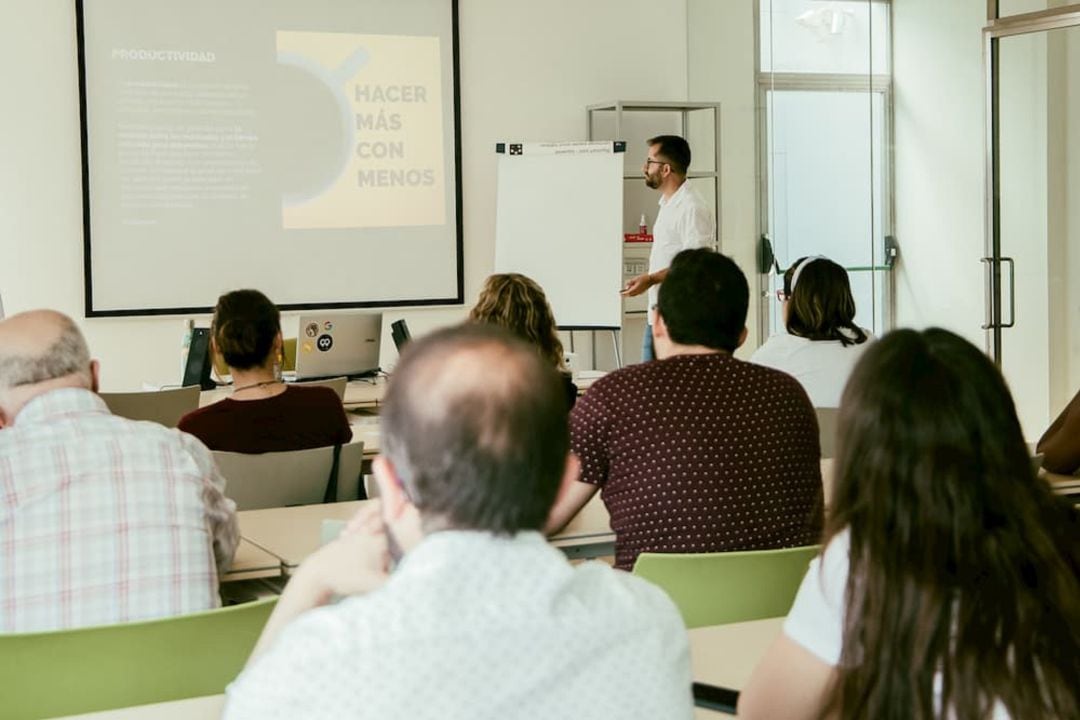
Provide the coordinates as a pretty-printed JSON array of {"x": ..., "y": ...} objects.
[
  {"x": 721, "y": 47},
  {"x": 939, "y": 163},
  {"x": 527, "y": 71}
]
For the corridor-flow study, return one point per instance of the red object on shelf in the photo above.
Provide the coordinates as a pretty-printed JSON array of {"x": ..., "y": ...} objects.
[{"x": 637, "y": 237}]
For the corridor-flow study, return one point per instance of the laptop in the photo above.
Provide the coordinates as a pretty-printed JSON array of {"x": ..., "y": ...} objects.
[{"x": 332, "y": 345}]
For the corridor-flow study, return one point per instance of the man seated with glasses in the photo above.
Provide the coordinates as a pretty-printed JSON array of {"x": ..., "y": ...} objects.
[{"x": 698, "y": 451}]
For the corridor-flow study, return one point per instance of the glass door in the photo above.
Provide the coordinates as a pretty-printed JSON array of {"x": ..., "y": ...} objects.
[
  {"x": 1033, "y": 243},
  {"x": 825, "y": 92}
]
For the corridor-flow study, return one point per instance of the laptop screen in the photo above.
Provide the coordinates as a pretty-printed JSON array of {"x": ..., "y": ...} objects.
[{"x": 332, "y": 345}]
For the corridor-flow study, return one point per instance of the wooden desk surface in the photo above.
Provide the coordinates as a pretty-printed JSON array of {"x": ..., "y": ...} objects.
[
  {"x": 726, "y": 655},
  {"x": 250, "y": 562},
  {"x": 208, "y": 707},
  {"x": 292, "y": 533},
  {"x": 358, "y": 393}
]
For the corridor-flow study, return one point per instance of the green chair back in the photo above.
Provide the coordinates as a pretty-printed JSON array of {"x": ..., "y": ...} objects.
[
  {"x": 69, "y": 672},
  {"x": 727, "y": 587}
]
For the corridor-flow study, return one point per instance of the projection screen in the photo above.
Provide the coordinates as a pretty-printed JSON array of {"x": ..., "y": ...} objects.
[{"x": 306, "y": 148}]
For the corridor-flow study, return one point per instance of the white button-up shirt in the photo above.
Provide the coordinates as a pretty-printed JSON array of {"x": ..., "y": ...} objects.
[
  {"x": 475, "y": 626},
  {"x": 683, "y": 222}
]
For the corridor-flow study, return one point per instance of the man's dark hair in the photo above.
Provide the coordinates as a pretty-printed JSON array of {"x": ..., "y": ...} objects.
[
  {"x": 704, "y": 299},
  {"x": 475, "y": 425},
  {"x": 674, "y": 150}
]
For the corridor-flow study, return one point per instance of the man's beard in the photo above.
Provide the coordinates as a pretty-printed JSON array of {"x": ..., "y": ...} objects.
[{"x": 651, "y": 182}]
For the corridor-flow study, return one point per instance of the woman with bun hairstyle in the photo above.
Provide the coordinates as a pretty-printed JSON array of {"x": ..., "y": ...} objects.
[
  {"x": 949, "y": 583},
  {"x": 516, "y": 303},
  {"x": 263, "y": 414},
  {"x": 822, "y": 343}
]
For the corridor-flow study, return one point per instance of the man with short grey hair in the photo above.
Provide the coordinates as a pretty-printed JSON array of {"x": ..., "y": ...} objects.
[{"x": 104, "y": 519}]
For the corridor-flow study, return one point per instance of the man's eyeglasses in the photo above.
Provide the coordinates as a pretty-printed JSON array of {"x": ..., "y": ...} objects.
[{"x": 650, "y": 161}]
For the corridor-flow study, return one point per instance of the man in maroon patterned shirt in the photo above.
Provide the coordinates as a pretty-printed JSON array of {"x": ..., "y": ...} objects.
[{"x": 698, "y": 451}]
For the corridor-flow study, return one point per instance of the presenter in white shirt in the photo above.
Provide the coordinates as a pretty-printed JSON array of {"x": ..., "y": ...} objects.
[
  {"x": 683, "y": 221},
  {"x": 950, "y": 579},
  {"x": 481, "y": 618}
]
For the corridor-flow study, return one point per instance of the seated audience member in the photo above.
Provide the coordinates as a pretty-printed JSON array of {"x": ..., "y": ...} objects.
[
  {"x": 103, "y": 519},
  {"x": 1060, "y": 444},
  {"x": 698, "y": 452},
  {"x": 518, "y": 304},
  {"x": 949, "y": 584},
  {"x": 481, "y": 618},
  {"x": 822, "y": 343},
  {"x": 263, "y": 414}
]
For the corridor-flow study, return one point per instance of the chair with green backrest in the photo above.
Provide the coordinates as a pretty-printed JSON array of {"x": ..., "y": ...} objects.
[
  {"x": 84, "y": 670},
  {"x": 727, "y": 587}
]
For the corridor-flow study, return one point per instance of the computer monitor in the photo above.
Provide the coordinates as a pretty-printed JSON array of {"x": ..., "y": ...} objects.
[
  {"x": 400, "y": 332},
  {"x": 197, "y": 367},
  {"x": 332, "y": 345}
]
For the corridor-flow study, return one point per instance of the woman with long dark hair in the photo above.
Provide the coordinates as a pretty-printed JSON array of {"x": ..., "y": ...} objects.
[
  {"x": 822, "y": 343},
  {"x": 949, "y": 586},
  {"x": 262, "y": 414}
]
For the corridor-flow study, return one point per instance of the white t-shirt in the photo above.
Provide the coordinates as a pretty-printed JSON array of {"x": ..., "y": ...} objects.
[
  {"x": 683, "y": 222},
  {"x": 822, "y": 367},
  {"x": 472, "y": 626},
  {"x": 816, "y": 620}
]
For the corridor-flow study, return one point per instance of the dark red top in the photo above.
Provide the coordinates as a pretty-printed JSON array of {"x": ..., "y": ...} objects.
[
  {"x": 701, "y": 453},
  {"x": 297, "y": 419}
]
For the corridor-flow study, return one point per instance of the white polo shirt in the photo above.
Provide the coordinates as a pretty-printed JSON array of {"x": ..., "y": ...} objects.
[{"x": 683, "y": 222}]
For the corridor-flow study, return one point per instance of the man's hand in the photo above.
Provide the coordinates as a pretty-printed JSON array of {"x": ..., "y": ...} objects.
[
  {"x": 357, "y": 562},
  {"x": 638, "y": 285}
]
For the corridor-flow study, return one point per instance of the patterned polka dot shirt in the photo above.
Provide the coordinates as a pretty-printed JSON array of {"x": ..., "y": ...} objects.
[{"x": 701, "y": 453}]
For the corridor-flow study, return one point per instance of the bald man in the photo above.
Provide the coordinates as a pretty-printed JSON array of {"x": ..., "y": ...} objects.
[
  {"x": 103, "y": 519},
  {"x": 481, "y": 618}
]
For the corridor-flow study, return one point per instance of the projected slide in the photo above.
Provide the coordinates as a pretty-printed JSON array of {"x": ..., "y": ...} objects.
[{"x": 304, "y": 148}]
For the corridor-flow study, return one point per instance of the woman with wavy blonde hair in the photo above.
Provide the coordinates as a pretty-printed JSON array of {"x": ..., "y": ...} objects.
[{"x": 515, "y": 302}]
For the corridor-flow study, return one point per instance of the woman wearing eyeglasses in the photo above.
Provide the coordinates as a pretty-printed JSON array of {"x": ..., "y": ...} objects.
[
  {"x": 822, "y": 343},
  {"x": 949, "y": 586}
]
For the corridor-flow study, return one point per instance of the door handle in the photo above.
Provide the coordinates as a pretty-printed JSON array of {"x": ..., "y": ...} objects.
[
  {"x": 990, "y": 321},
  {"x": 1012, "y": 292}
]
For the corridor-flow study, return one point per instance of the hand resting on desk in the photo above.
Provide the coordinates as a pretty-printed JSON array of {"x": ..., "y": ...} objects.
[{"x": 357, "y": 562}]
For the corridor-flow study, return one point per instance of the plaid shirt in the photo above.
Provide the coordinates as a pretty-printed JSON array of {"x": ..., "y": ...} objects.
[{"x": 106, "y": 520}]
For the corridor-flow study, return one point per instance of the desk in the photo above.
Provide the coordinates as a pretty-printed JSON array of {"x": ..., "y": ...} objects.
[
  {"x": 358, "y": 394},
  {"x": 208, "y": 707},
  {"x": 726, "y": 655},
  {"x": 1068, "y": 485},
  {"x": 292, "y": 533},
  {"x": 370, "y": 393},
  {"x": 251, "y": 562}
]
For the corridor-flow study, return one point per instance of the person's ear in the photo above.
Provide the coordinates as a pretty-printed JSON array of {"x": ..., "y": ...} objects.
[
  {"x": 391, "y": 493},
  {"x": 742, "y": 337},
  {"x": 659, "y": 327},
  {"x": 95, "y": 375}
]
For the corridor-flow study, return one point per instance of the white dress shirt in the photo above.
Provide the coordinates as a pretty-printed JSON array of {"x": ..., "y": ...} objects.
[
  {"x": 683, "y": 222},
  {"x": 474, "y": 626}
]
